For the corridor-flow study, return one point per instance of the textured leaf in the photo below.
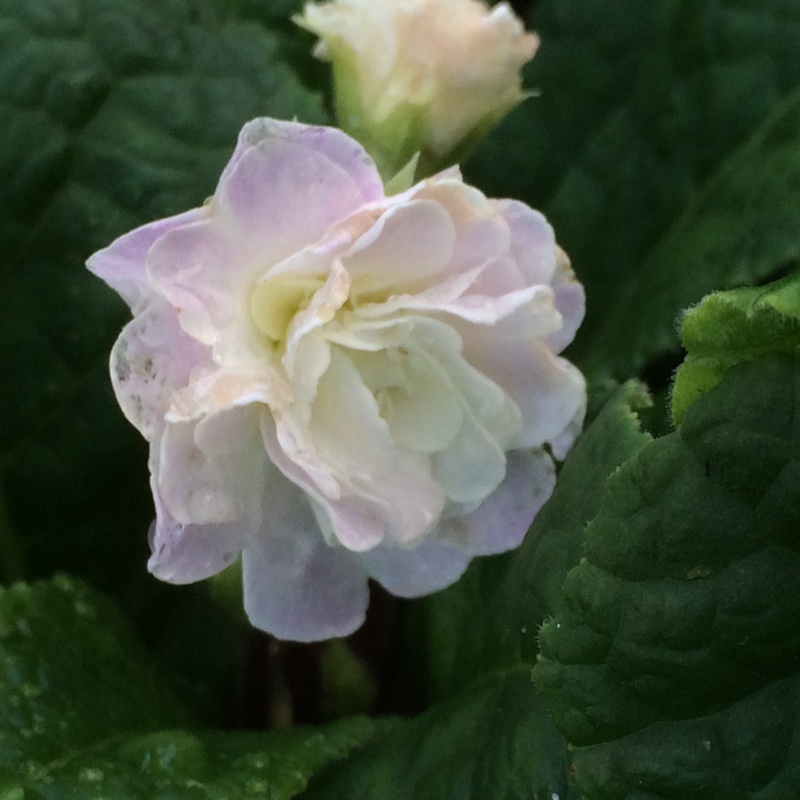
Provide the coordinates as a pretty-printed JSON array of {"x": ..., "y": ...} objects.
[
  {"x": 63, "y": 655},
  {"x": 741, "y": 228},
  {"x": 491, "y": 736},
  {"x": 663, "y": 149},
  {"x": 496, "y": 743},
  {"x": 490, "y": 619},
  {"x": 533, "y": 587},
  {"x": 673, "y": 668},
  {"x": 82, "y": 715},
  {"x": 113, "y": 114},
  {"x": 728, "y": 328}
]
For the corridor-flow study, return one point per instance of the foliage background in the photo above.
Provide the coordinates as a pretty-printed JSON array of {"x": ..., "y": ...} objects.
[{"x": 665, "y": 149}]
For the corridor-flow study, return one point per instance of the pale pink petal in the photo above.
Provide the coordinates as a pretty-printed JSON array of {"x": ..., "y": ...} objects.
[
  {"x": 561, "y": 445},
  {"x": 482, "y": 234},
  {"x": 325, "y": 303},
  {"x": 346, "y": 427},
  {"x": 188, "y": 553},
  {"x": 198, "y": 269},
  {"x": 472, "y": 466},
  {"x": 495, "y": 412},
  {"x": 336, "y": 146},
  {"x": 409, "y": 243},
  {"x": 408, "y": 495},
  {"x": 571, "y": 304},
  {"x": 122, "y": 264},
  {"x": 570, "y": 301},
  {"x": 151, "y": 359},
  {"x": 307, "y": 194},
  {"x": 533, "y": 241},
  {"x": 213, "y": 390},
  {"x": 296, "y": 586},
  {"x": 503, "y": 518},
  {"x": 416, "y": 571},
  {"x": 360, "y": 524},
  {"x": 452, "y": 296},
  {"x": 424, "y": 412},
  {"x": 548, "y": 390}
]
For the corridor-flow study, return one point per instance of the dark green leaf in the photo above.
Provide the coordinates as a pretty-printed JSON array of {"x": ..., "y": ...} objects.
[
  {"x": 83, "y": 715},
  {"x": 533, "y": 588},
  {"x": 493, "y": 737},
  {"x": 497, "y": 742},
  {"x": 741, "y": 228},
  {"x": 71, "y": 674},
  {"x": 113, "y": 114},
  {"x": 663, "y": 148},
  {"x": 673, "y": 667}
]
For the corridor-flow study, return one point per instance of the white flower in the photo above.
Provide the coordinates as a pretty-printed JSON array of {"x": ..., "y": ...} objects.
[
  {"x": 421, "y": 75},
  {"x": 338, "y": 384}
]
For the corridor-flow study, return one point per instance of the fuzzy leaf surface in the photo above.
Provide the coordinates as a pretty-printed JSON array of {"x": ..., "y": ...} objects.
[
  {"x": 728, "y": 328},
  {"x": 673, "y": 668},
  {"x": 491, "y": 735}
]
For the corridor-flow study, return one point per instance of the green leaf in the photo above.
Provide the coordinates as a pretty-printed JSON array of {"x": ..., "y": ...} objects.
[
  {"x": 71, "y": 674},
  {"x": 490, "y": 619},
  {"x": 728, "y": 328},
  {"x": 663, "y": 149},
  {"x": 495, "y": 743},
  {"x": 113, "y": 114},
  {"x": 674, "y": 668},
  {"x": 83, "y": 715},
  {"x": 533, "y": 587},
  {"x": 491, "y": 736},
  {"x": 741, "y": 228}
]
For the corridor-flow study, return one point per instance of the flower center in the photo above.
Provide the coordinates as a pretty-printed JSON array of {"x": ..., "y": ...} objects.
[{"x": 275, "y": 301}]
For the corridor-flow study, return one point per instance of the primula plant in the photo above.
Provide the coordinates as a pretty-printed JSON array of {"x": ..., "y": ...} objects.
[{"x": 454, "y": 374}]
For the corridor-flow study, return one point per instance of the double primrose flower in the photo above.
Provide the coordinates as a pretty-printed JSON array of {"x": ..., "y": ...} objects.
[{"x": 338, "y": 384}]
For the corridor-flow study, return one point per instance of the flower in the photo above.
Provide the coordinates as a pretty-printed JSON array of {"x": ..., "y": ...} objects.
[
  {"x": 421, "y": 75},
  {"x": 340, "y": 384}
]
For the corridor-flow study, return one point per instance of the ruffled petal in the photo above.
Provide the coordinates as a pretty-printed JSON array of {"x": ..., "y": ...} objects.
[
  {"x": 151, "y": 359},
  {"x": 503, "y": 518},
  {"x": 548, "y": 390},
  {"x": 122, "y": 264},
  {"x": 336, "y": 146},
  {"x": 533, "y": 242},
  {"x": 570, "y": 301},
  {"x": 219, "y": 483},
  {"x": 416, "y": 571},
  {"x": 196, "y": 267},
  {"x": 346, "y": 428},
  {"x": 357, "y": 524},
  {"x": 308, "y": 192},
  {"x": 408, "y": 243},
  {"x": 472, "y": 466},
  {"x": 187, "y": 553},
  {"x": 296, "y": 586}
]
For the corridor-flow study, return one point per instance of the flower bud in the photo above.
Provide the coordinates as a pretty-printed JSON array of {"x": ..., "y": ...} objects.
[{"x": 428, "y": 76}]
